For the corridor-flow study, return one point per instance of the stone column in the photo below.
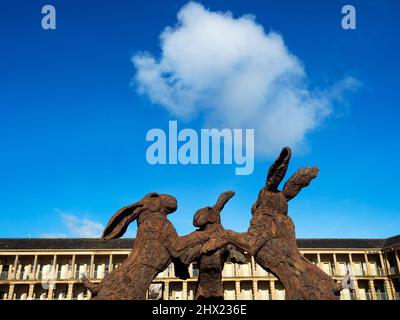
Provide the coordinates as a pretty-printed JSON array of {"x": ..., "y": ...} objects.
[
  {"x": 190, "y": 271},
  {"x": 389, "y": 289},
  {"x": 30, "y": 292},
  {"x": 70, "y": 293},
  {"x": 383, "y": 264},
  {"x": 166, "y": 291},
  {"x": 319, "y": 261},
  {"x": 272, "y": 289},
  {"x": 15, "y": 266},
  {"x": 237, "y": 290},
  {"x": 33, "y": 272},
  {"x": 387, "y": 263},
  {"x": 352, "y": 269},
  {"x": 336, "y": 265},
  {"x": 91, "y": 270},
  {"x": 184, "y": 290},
  {"x": 236, "y": 267},
  {"x": 10, "y": 292},
  {"x": 72, "y": 275},
  {"x": 10, "y": 272},
  {"x": 253, "y": 265},
  {"x": 367, "y": 264},
  {"x": 110, "y": 264},
  {"x": 372, "y": 289},
  {"x": 356, "y": 291},
  {"x": 55, "y": 267},
  {"x": 50, "y": 291},
  {"x": 397, "y": 254},
  {"x": 255, "y": 290}
]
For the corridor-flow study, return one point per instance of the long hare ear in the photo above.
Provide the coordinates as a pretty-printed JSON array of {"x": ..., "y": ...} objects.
[
  {"x": 277, "y": 170},
  {"x": 120, "y": 221},
  {"x": 222, "y": 200},
  {"x": 302, "y": 178}
]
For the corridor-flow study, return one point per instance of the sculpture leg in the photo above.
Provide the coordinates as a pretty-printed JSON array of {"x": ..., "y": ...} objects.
[
  {"x": 210, "y": 285},
  {"x": 301, "y": 279},
  {"x": 127, "y": 283},
  {"x": 279, "y": 255}
]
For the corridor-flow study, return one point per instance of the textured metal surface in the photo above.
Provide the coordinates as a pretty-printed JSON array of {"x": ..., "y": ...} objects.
[
  {"x": 271, "y": 235},
  {"x": 156, "y": 246}
]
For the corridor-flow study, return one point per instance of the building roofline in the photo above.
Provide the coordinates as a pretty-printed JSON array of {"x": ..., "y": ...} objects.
[{"x": 24, "y": 244}]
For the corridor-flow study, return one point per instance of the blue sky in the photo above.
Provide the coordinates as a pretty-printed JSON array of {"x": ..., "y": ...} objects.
[{"x": 73, "y": 125}]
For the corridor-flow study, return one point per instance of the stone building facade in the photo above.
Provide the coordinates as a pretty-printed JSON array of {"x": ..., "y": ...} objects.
[{"x": 46, "y": 269}]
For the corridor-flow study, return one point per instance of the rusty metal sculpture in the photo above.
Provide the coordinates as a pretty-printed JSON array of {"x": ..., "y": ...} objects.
[
  {"x": 270, "y": 239},
  {"x": 156, "y": 246},
  {"x": 271, "y": 236},
  {"x": 209, "y": 284}
]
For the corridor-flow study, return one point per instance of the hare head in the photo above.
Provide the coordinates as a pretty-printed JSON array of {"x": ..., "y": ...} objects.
[
  {"x": 152, "y": 203},
  {"x": 211, "y": 215},
  {"x": 277, "y": 200}
]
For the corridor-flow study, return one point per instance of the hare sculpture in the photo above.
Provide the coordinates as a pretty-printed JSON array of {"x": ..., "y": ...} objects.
[
  {"x": 156, "y": 246},
  {"x": 209, "y": 284}
]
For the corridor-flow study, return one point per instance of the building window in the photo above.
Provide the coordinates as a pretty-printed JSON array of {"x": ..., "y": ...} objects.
[{"x": 195, "y": 270}]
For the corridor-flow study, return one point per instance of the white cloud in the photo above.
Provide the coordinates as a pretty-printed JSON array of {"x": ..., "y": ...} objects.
[
  {"x": 81, "y": 227},
  {"x": 237, "y": 75}
]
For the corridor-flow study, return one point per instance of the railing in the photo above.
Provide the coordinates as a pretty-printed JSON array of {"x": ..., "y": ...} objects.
[
  {"x": 81, "y": 298},
  {"x": 99, "y": 275},
  {"x": 95, "y": 275},
  {"x": 368, "y": 296},
  {"x": 381, "y": 272},
  {"x": 393, "y": 270},
  {"x": 228, "y": 273},
  {"x": 259, "y": 272},
  {"x": 45, "y": 276},
  {"x": 327, "y": 271},
  {"x": 357, "y": 273},
  {"x": 195, "y": 273},
  {"x": 340, "y": 273},
  {"x": 382, "y": 296},
  {"x": 353, "y": 296},
  {"x": 23, "y": 276},
  {"x": 80, "y": 274},
  {"x": 62, "y": 298},
  {"x": 4, "y": 275},
  {"x": 52, "y": 275},
  {"x": 260, "y": 296}
]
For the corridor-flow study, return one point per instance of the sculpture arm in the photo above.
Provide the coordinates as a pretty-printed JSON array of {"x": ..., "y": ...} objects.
[
  {"x": 244, "y": 241},
  {"x": 192, "y": 239},
  {"x": 187, "y": 248}
]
